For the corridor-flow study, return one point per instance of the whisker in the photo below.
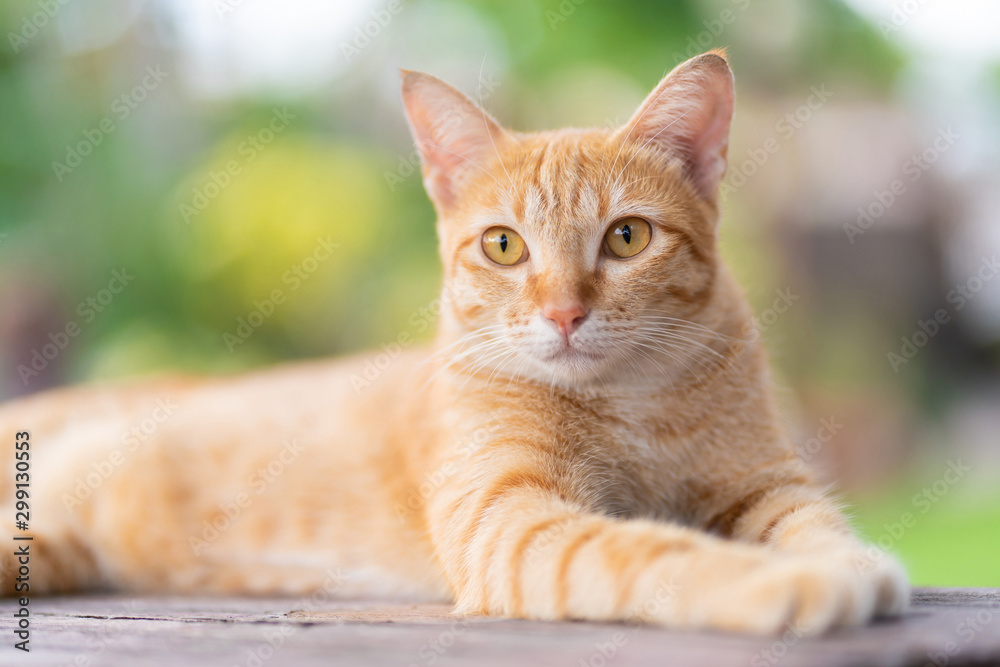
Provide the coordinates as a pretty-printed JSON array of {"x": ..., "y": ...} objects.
[
  {"x": 498, "y": 365},
  {"x": 472, "y": 368},
  {"x": 687, "y": 323},
  {"x": 677, "y": 337},
  {"x": 671, "y": 349},
  {"x": 695, "y": 354},
  {"x": 495, "y": 359},
  {"x": 478, "y": 333},
  {"x": 464, "y": 353},
  {"x": 653, "y": 361},
  {"x": 514, "y": 375},
  {"x": 676, "y": 358}
]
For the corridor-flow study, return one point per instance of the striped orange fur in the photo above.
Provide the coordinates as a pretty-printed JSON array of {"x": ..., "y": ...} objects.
[{"x": 588, "y": 437}]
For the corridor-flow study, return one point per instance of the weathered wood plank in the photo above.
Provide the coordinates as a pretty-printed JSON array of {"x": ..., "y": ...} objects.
[{"x": 953, "y": 627}]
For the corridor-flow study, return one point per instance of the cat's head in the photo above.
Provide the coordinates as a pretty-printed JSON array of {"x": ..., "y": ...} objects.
[{"x": 576, "y": 256}]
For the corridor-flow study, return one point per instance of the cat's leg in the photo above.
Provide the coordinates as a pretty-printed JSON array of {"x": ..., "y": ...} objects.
[
  {"x": 512, "y": 544},
  {"x": 45, "y": 553},
  {"x": 46, "y": 461},
  {"x": 788, "y": 512},
  {"x": 45, "y": 562}
]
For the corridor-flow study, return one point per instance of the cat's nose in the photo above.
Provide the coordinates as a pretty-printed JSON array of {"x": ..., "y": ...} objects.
[{"x": 567, "y": 318}]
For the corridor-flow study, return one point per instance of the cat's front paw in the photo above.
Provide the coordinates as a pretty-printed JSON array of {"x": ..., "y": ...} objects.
[
  {"x": 811, "y": 594},
  {"x": 810, "y": 597},
  {"x": 888, "y": 578}
]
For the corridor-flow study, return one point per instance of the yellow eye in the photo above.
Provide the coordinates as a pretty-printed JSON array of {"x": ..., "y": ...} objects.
[
  {"x": 504, "y": 246},
  {"x": 627, "y": 237}
]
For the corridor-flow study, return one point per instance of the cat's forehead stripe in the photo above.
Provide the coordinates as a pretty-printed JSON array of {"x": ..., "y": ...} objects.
[{"x": 559, "y": 185}]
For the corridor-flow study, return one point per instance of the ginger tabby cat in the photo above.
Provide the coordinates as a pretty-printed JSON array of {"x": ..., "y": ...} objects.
[{"x": 592, "y": 434}]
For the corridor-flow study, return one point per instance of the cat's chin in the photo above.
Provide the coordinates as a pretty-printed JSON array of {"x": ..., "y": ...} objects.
[
  {"x": 574, "y": 356},
  {"x": 569, "y": 367},
  {"x": 581, "y": 369}
]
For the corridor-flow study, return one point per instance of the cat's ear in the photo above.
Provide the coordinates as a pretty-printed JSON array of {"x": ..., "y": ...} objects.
[
  {"x": 689, "y": 113},
  {"x": 456, "y": 139}
]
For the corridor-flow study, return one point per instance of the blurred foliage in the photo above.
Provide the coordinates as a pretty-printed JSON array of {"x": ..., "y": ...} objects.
[{"x": 646, "y": 38}]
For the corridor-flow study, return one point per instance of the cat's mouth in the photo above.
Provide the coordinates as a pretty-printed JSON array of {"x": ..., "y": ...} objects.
[
  {"x": 572, "y": 353},
  {"x": 576, "y": 358}
]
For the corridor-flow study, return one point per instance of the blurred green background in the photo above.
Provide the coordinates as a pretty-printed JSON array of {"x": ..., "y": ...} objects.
[{"x": 245, "y": 168}]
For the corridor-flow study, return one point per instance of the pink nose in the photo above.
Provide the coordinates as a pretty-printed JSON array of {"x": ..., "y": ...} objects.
[{"x": 566, "y": 318}]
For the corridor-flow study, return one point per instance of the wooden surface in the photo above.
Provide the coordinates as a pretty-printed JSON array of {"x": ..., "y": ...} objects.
[{"x": 953, "y": 627}]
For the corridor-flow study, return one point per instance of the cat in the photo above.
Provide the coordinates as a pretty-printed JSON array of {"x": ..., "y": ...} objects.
[{"x": 591, "y": 435}]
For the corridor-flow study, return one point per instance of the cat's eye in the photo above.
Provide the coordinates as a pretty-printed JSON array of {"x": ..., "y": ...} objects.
[
  {"x": 627, "y": 237},
  {"x": 504, "y": 246}
]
